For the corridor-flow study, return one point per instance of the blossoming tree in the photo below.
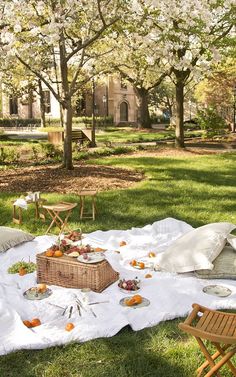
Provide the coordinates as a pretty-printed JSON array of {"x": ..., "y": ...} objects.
[
  {"x": 190, "y": 34},
  {"x": 35, "y": 31}
]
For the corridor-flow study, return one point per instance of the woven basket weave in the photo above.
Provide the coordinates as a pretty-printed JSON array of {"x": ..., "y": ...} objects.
[{"x": 68, "y": 272}]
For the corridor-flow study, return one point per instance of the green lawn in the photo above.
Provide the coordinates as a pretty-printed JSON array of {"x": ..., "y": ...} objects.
[
  {"x": 198, "y": 190},
  {"x": 131, "y": 135}
]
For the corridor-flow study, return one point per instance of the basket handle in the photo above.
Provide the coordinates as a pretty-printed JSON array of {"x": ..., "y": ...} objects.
[{"x": 65, "y": 276}]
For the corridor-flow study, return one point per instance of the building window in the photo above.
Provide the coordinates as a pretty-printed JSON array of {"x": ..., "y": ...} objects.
[
  {"x": 13, "y": 105},
  {"x": 123, "y": 83},
  {"x": 124, "y": 115},
  {"x": 47, "y": 101}
]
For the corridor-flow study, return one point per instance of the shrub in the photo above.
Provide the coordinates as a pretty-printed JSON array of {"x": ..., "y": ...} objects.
[
  {"x": 9, "y": 155},
  {"x": 51, "y": 151},
  {"x": 211, "y": 122},
  {"x": 18, "y": 122}
]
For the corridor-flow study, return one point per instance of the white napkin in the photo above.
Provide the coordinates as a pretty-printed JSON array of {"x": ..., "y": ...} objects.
[{"x": 21, "y": 203}]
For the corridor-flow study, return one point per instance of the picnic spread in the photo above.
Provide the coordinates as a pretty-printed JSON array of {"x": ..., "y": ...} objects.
[{"x": 130, "y": 288}]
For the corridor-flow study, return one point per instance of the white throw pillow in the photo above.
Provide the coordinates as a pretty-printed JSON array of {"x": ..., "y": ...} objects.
[
  {"x": 197, "y": 249},
  {"x": 232, "y": 240}
]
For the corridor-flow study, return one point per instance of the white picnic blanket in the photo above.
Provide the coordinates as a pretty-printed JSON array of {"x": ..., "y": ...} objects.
[{"x": 170, "y": 295}]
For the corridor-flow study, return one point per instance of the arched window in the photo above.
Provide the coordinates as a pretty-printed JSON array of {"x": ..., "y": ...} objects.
[{"x": 124, "y": 115}]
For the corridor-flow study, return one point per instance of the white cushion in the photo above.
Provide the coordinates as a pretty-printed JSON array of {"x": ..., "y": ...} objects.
[
  {"x": 232, "y": 240},
  {"x": 10, "y": 237},
  {"x": 197, "y": 249}
]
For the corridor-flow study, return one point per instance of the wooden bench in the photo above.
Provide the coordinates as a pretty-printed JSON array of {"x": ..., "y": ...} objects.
[{"x": 79, "y": 136}]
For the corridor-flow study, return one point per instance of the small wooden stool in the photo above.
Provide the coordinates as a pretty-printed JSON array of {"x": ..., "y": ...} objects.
[
  {"x": 55, "y": 210},
  {"x": 17, "y": 211},
  {"x": 89, "y": 193},
  {"x": 217, "y": 327}
]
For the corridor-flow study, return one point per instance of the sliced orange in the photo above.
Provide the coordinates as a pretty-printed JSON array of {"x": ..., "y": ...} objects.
[
  {"x": 141, "y": 265},
  {"x": 133, "y": 263},
  {"x": 35, "y": 322},
  {"x": 27, "y": 323},
  {"x": 49, "y": 253},
  {"x": 22, "y": 271},
  {"x": 123, "y": 243},
  {"x": 42, "y": 288},
  {"x": 69, "y": 326},
  {"x": 137, "y": 299},
  {"x": 151, "y": 254},
  {"x": 58, "y": 253}
]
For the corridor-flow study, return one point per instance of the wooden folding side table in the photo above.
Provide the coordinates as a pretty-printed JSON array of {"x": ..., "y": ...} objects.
[
  {"x": 17, "y": 211},
  {"x": 83, "y": 194},
  {"x": 55, "y": 212}
]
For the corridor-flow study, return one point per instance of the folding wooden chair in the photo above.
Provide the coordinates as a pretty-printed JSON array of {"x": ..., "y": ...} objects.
[{"x": 217, "y": 327}]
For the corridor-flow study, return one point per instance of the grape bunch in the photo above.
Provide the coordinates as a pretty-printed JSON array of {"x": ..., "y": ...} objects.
[
  {"x": 129, "y": 285},
  {"x": 27, "y": 266}
]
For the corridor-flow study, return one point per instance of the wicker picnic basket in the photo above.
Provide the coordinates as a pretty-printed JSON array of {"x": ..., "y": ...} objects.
[{"x": 68, "y": 272}]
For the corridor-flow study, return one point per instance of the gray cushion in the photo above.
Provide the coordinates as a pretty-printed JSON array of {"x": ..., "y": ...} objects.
[
  {"x": 10, "y": 237},
  {"x": 224, "y": 266}
]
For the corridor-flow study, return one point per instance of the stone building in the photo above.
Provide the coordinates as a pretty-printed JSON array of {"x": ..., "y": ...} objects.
[{"x": 112, "y": 97}]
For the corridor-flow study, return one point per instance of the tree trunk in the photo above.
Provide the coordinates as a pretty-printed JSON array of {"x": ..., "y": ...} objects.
[
  {"x": 42, "y": 105},
  {"x": 30, "y": 104},
  {"x": 144, "y": 116},
  {"x": 66, "y": 103},
  {"x": 179, "y": 129},
  {"x": 68, "y": 113},
  {"x": 93, "y": 134}
]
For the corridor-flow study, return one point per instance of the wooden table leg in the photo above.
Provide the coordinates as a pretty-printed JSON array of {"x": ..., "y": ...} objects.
[
  {"x": 81, "y": 206},
  {"x": 17, "y": 219}
]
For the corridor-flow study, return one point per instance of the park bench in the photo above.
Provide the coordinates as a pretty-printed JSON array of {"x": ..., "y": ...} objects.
[{"x": 79, "y": 136}]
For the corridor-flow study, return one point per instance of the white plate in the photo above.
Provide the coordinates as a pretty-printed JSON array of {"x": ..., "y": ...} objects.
[
  {"x": 92, "y": 258},
  {"x": 32, "y": 294},
  {"x": 144, "y": 303},
  {"x": 217, "y": 290}
]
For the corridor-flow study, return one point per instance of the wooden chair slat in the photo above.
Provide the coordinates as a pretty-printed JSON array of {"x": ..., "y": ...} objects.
[
  {"x": 227, "y": 326},
  {"x": 207, "y": 321},
  {"x": 220, "y": 330}
]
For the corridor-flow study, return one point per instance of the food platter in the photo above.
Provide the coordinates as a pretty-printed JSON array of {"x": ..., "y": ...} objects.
[
  {"x": 145, "y": 302},
  {"x": 91, "y": 258},
  {"x": 217, "y": 290},
  {"x": 34, "y": 294}
]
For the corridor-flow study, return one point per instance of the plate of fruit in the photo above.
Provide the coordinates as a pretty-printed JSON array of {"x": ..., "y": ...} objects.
[
  {"x": 76, "y": 251},
  {"x": 129, "y": 286},
  {"x": 91, "y": 257},
  {"x": 134, "y": 302},
  {"x": 37, "y": 293}
]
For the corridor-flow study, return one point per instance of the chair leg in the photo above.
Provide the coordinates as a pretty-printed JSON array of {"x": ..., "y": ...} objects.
[
  {"x": 210, "y": 360},
  {"x": 223, "y": 354},
  {"x": 94, "y": 207}
]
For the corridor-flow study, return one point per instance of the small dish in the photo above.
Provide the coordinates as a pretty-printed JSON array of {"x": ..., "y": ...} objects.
[
  {"x": 217, "y": 290},
  {"x": 33, "y": 294},
  {"x": 145, "y": 302}
]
